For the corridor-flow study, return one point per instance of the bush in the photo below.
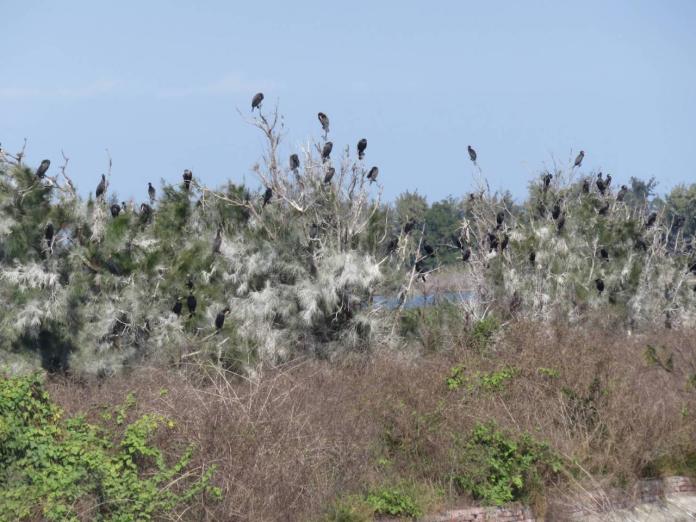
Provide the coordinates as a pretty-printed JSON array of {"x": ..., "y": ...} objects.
[{"x": 68, "y": 469}]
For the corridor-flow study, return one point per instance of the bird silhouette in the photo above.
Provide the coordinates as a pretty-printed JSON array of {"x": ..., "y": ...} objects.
[
  {"x": 457, "y": 241},
  {"x": 115, "y": 210},
  {"x": 408, "y": 226},
  {"x": 599, "y": 284},
  {"x": 604, "y": 210},
  {"x": 48, "y": 233},
  {"x": 504, "y": 242},
  {"x": 604, "y": 254},
  {"x": 651, "y": 220},
  {"x": 492, "y": 241},
  {"x": 472, "y": 153},
  {"x": 101, "y": 188},
  {"x": 151, "y": 192},
  {"x": 532, "y": 257},
  {"x": 256, "y": 101},
  {"x": 466, "y": 254},
  {"x": 326, "y": 150},
  {"x": 560, "y": 223},
  {"x": 429, "y": 251},
  {"x": 392, "y": 245},
  {"x": 324, "y": 120},
  {"x": 499, "y": 218},
  {"x": 601, "y": 184},
  {"x": 329, "y": 174},
  {"x": 586, "y": 186},
  {"x": 294, "y": 162},
  {"x": 372, "y": 175},
  {"x": 267, "y": 196},
  {"x": 217, "y": 242},
  {"x": 188, "y": 177},
  {"x": 220, "y": 319},
  {"x": 579, "y": 158},
  {"x": 621, "y": 194},
  {"x": 43, "y": 167},
  {"x": 547, "y": 180},
  {"x": 177, "y": 306},
  {"x": 362, "y": 145},
  {"x": 191, "y": 304},
  {"x": 556, "y": 211}
]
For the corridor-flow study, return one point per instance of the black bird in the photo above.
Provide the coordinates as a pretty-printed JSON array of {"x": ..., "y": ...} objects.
[
  {"x": 220, "y": 319},
  {"x": 362, "y": 145},
  {"x": 124, "y": 207},
  {"x": 640, "y": 244},
  {"x": 579, "y": 158},
  {"x": 457, "y": 241},
  {"x": 324, "y": 120},
  {"x": 145, "y": 210},
  {"x": 191, "y": 304},
  {"x": 560, "y": 223},
  {"x": 294, "y": 162},
  {"x": 607, "y": 181},
  {"x": 466, "y": 254},
  {"x": 48, "y": 233},
  {"x": 177, "y": 306},
  {"x": 621, "y": 194},
  {"x": 504, "y": 243},
  {"x": 556, "y": 211},
  {"x": 492, "y": 241},
  {"x": 372, "y": 175},
  {"x": 692, "y": 268},
  {"x": 392, "y": 245},
  {"x": 604, "y": 254},
  {"x": 101, "y": 188},
  {"x": 267, "y": 196},
  {"x": 188, "y": 177},
  {"x": 115, "y": 210},
  {"x": 472, "y": 153},
  {"x": 586, "y": 186},
  {"x": 547, "y": 180},
  {"x": 151, "y": 192},
  {"x": 429, "y": 251},
  {"x": 499, "y": 218},
  {"x": 408, "y": 226},
  {"x": 41, "y": 171},
  {"x": 217, "y": 242},
  {"x": 329, "y": 174},
  {"x": 189, "y": 283},
  {"x": 326, "y": 150},
  {"x": 532, "y": 257},
  {"x": 603, "y": 211},
  {"x": 421, "y": 270},
  {"x": 651, "y": 220},
  {"x": 601, "y": 184},
  {"x": 678, "y": 222},
  {"x": 256, "y": 101},
  {"x": 600, "y": 285}
]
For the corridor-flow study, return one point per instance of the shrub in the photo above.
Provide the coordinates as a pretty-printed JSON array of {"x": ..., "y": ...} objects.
[{"x": 68, "y": 469}]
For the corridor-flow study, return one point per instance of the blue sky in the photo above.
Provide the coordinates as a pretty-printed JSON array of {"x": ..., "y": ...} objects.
[{"x": 158, "y": 84}]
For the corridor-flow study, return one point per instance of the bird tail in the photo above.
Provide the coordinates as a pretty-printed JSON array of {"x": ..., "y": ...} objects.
[{"x": 361, "y": 155}]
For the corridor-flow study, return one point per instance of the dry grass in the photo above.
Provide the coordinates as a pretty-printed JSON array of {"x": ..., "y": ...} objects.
[{"x": 292, "y": 441}]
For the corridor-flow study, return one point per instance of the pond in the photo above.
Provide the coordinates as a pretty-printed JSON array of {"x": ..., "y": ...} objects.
[{"x": 417, "y": 301}]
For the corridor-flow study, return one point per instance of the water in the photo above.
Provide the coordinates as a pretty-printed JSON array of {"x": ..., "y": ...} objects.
[{"x": 417, "y": 301}]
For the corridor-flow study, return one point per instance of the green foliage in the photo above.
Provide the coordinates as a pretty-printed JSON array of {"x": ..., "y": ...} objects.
[
  {"x": 494, "y": 381},
  {"x": 394, "y": 502},
  {"x": 496, "y": 467},
  {"x": 483, "y": 330},
  {"x": 66, "y": 469}
]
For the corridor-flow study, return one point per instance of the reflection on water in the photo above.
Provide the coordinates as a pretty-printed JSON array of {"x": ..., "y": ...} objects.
[{"x": 417, "y": 301}]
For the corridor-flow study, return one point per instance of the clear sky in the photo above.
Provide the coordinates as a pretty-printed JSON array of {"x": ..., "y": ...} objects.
[{"x": 524, "y": 82}]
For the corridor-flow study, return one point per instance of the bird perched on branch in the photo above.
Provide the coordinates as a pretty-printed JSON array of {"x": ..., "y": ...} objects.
[
  {"x": 217, "y": 242},
  {"x": 329, "y": 174},
  {"x": 579, "y": 158},
  {"x": 220, "y": 318},
  {"x": 43, "y": 167},
  {"x": 504, "y": 243},
  {"x": 48, "y": 233},
  {"x": 429, "y": 251},
  {"x": 607, "y": 181},
  {"x": 556, "y": 211},
  {"x": 560, "y": 223},
  {"x": 191, "y": 304},
  {"x": 362, "y": 145},
  {"x": 601, "y": 184},
  {"x": 177, "y": 306},
  {"x": 392, "y": 245},
  {"x": 188, "y": 177},
  {"x": 499, "y": 218},
  {"x": 466, "y": 254},
  {"x": 457, "y": 241},
  {"x": 492, "y": 241},
  {"x": 408, "y": 226},
  {"x": 326, "y": 150},
  {"x": 372, "y": 175},
  {"x": 604, "y": 210},
  {"x": 256, "y": 101},
  {"x": 547, "y": 180},
  {"x": 532, "y": 257},
  {"x": 599, "y": 284},
  {"x": 586, "y": 186},
  {"x": 115, "y": 210},
  {"x": 267, "y": 196},
  {"x": 472, "y": 153},
  {"x": 294, "y": 162},
  {"x": 621, "y": 194},
  {"x": 604, "y": 254},
  {"x": 101, "y": 188},
  {"x": 145, "y": 211},
  {"x": 151, "y": 192},
  {"x": 651, "y": 220},
  {"x": 324, "y": 120}
]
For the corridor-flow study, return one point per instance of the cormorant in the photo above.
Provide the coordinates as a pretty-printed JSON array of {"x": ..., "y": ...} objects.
[
  {"x": 362, "y": 145},
  {"x": 560, "y": 223},
  {"x": 472, "y": 153},
  {"x": 324, "y": 120},
  {"x": 217, "y": 242},
  {"x": 392, "y": 245},
  {"x": 151, "y": 192},
  {"x": 188, "y": 177},
  {"x": 101, "y": 188},
  {"x": 532, "y": 257},
  {"x": 547, "y": 180},
  {"x": 294, "y": 162},
  {"x": 421, "y": 270},
  {"x": 640, "y": 244},
  {"x": 189, "y": 283},
  {"x": 329, "y": 174},
  {"x": 372, "y": 175},
  {"x": 492, "y": 241},
  {"x": 651, "y": 220},
  {"x": 41, "y": 171},
  {"x": 220, "y": 319},
  {"x": 603, "y": 211},
  {"x": 466, "y": 254},
  {"x": 177, "y": 306},
  {"x": 556, "y": 211},
  {"x": 678, "y": 222},
  {"x": 256, "y": 101},
  {"x": 601, "y": 185},
  {"x": 429, "y": 251},
  {"x": 457, "y": 241},
  {"x": 600, "y": 285},
  {"x": 48, "y": 233},
  {"x": 326, "y": 150},
  {"x": 604, "y": 254},
  {"x": 607, "y": 180},
  {"x": 579, "y": 158},
  {"x": 191, "y": 304},
  {"x": 115, "y": 210},
  {"x": 622, "y": 193},
  {"x": 586, "y": 186},
  {"x": 499, "y": 218},
  {"x": 267, "y": 196},
  {"x": 145, "y": 209},
  {"x": 504, "y": 243},
  {"x": 408, "y": 226}
]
